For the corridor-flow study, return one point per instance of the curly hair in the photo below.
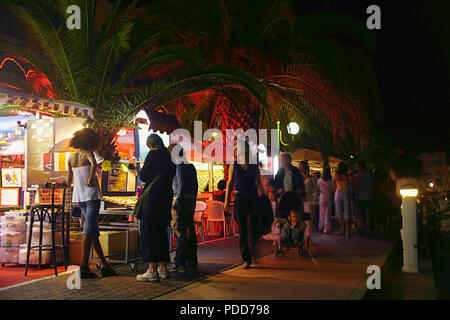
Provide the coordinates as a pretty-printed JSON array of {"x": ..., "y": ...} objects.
[{"x": 86, "y": 139}]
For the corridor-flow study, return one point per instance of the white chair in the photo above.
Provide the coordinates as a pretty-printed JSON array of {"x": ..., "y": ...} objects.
[
  {"x": 216, "y": 214},
  {"x": 200, "y": 208},
  {"x": 233, "y": 221}
]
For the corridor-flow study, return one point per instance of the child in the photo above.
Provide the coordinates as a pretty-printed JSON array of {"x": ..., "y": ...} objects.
[
  {"x": 273, "y": 200},
  {"x": 292, "y": 228}
]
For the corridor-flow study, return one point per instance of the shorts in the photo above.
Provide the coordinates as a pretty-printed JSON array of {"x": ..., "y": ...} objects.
[
  {"x": 90, "y": 210},
  {"x": 365, "y": 204}
]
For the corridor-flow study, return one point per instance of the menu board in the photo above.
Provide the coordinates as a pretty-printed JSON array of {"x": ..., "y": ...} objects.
[
  {"x": 9, "y": 197},
  {"x": 118, "y": 181},
  {"x": 11, "y": 177}
]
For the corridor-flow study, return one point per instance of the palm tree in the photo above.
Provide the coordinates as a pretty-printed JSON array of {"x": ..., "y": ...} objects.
[
  {"x": 313, "y": 73},
  {"x": 111, "y": 64}
]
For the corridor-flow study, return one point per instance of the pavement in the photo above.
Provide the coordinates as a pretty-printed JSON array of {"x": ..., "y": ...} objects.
[{"x": 336, "y": 270}]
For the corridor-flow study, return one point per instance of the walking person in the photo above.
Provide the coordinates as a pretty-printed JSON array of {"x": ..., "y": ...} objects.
[
  {"x": 185, "y": 190},
  {"x": 289, "y": 186},
  {"x": 353, "y": 199},
  {"x": 311, "y": 198},
  {"x": 325, "y": 201},
  {"x": 365, "y": 188},
  {"x": 245, "y": 179},
  {"x": 157, "y": 174},
  {"x": 87, "y": 196},
  {"x": 288, "y": 177},
  {"x": 341, "y": 199}
]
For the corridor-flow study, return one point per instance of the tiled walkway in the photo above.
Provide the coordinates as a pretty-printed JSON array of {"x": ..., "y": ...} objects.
[{"x": 337, "y": 270}]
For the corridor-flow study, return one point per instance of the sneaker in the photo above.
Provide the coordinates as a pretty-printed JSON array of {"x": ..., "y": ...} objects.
[
  {"x": 163, "y": 273},
  {"x": 181, "y": 269},
  {"x": 172, "y": 267},
  {"x": 193, "y": 269},
  {"x": 148, "y": 276}
]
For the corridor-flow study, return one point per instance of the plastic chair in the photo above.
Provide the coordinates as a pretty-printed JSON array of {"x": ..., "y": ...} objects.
[
  {"x": 200, "y": 208},
  {"x": 216, "y": 214}
]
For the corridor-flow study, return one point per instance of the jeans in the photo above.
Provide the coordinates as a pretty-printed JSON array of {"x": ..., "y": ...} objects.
[
  {"x": 291, "y": 235},
  {"x": 90, "y": 210},
  {"x": 183, "y": 226},
  {"x": 342, "y": 204}
]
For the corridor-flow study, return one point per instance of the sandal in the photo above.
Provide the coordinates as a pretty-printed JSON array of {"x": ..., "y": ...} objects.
[
  {"x": 87, "y": 274},
  {"x": 107, "y": 271}
]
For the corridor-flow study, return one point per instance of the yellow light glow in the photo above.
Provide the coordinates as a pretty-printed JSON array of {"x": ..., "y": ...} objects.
[{"x": 409, "y": 192}]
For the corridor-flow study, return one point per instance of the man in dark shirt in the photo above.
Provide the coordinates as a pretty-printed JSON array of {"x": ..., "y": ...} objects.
[
  {"x": 289, "y": 183},
  {"x": 185, "y": 187},
  {"x": 288, "y": 177}
]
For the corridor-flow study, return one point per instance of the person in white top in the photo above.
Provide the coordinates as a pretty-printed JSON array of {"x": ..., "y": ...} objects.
[
  {"x": 86, "y": 194},
  {"x": 325, "y": 201}
]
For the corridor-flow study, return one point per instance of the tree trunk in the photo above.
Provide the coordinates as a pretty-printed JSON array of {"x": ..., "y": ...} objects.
[{"x": 107, "y": 147}]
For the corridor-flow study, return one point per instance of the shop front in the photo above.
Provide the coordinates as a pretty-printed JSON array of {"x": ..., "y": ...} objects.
[{"x": 34, "y": 150}]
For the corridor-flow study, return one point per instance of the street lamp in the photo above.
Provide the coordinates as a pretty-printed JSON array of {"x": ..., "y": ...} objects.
[
  {"x": 408, "y": 232},
  {"x": 293, "y": 128}
]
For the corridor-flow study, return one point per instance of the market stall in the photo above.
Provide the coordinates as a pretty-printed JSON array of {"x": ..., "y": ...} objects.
[
  {"x": 34, "y": 149},
  {"x": 314, "y": 158}
]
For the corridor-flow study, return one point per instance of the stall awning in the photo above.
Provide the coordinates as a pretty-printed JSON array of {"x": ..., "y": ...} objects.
[
  {"x": 311, "y": 155},
  {"x": 26, "y": 101},
  {"x": 162, "y": 122}
]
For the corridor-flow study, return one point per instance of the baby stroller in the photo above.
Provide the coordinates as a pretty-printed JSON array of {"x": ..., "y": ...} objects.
[
  {"x": 275, "y": 236},
  {"x": 285, "y": 238},
  {"x": 294, "y": 238},
  {"x": 288, "y": 201}
]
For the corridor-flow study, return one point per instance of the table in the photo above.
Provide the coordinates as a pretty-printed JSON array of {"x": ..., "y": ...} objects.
[{"x": 127, "y": 226}]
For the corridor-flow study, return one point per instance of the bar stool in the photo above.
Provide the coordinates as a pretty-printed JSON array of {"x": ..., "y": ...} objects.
[{"x": 48, "y": 209}]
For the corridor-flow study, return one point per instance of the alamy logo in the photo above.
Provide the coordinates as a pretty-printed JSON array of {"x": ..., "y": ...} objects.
[
  {"x": 74, "y": 20},
  {"x": 374, "y": 21},
  {"x": 237, "y": 146},
  {"x": 374, "y": 281},
  {"x": 74, "y": 281}
]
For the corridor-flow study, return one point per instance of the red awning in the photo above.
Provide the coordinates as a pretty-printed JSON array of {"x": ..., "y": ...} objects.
[{"x": 162, "y": 122}]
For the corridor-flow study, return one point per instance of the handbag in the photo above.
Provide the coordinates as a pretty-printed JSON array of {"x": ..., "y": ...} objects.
[
  {"x": 265, "y": 217},
  {"x": 143, "y": 197},
  {"x": 75, "y": 212}
]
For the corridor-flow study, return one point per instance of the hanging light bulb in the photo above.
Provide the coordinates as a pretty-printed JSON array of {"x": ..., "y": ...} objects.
[{"x": 122, "y": 132}]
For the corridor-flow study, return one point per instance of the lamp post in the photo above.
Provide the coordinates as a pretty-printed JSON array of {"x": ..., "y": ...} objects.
[
  {"x": 293, "y": 128},
  {"x": 409, "y": 228}
]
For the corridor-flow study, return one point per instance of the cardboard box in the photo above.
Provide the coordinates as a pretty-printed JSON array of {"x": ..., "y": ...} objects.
[
  {"x": 9, "y": 255},
  {"x": 34, "y": 256},
  {"x": 76, "y": 235},
  {"x": 12, "y": 238},
  {"x": 13, "y": 223},
  {"x": 46, "y": 237},
  {"x": 75, "y": 251},
  {"x": 113, "y": 243}
]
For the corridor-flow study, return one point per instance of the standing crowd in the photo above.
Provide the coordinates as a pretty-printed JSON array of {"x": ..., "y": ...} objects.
[{"x": 310, "y": 202}]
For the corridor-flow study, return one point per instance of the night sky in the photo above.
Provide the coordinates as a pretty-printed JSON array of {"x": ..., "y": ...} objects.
[{"x": 413, "y": 66}]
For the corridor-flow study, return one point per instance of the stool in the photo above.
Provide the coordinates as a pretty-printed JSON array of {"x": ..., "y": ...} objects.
[{"x": 53, "y": 212}]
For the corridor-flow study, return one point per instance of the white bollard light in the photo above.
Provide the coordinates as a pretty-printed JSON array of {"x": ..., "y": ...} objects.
[{"x": 409, "y": 228}]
